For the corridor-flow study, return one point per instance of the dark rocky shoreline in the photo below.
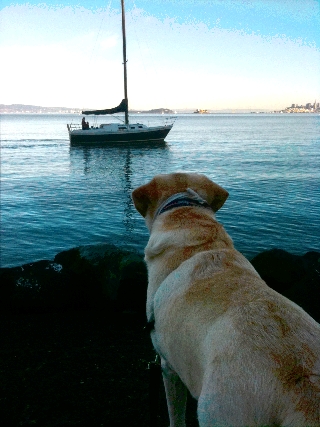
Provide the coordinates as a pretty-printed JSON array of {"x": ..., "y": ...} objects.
[
  {"x": 73, "y": 349},
  {"x": 87, "y": 277}
]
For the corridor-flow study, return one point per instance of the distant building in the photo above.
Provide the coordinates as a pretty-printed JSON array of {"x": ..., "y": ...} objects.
[{"x": 310, "y": 107}]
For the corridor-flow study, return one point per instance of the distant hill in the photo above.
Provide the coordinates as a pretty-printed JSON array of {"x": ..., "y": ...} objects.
[
  {"x": 154, "y": 111},
  {"x": 22, "y": 108},
  {"x": 36, "y": 109}
]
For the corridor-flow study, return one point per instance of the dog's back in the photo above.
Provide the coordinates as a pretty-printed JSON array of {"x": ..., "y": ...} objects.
[
  {"x": 254, "y": 353},
  {"x": 265, "y": 363}
]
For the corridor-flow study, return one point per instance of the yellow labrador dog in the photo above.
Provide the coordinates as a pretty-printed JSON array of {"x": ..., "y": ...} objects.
[{"x": 248, "y": 355}]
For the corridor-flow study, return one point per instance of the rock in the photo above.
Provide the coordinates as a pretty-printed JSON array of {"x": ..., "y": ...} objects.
[
  {"x": 109, "y": 278},
  {"x": 30, "y": 286},
  {"x": 133, "y": 283},
  {"x": 116, "y": 272},
  {"x": 296, "y": 277},
  {"x": 87, "y": 277}
]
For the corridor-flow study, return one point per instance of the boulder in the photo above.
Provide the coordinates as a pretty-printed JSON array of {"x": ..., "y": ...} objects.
[
  {"x": 296, "y": 277},
  {"x": 87, "y": 277}
]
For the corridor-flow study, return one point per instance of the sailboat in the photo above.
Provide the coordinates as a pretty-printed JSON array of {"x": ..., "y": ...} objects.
[{"x": 114, "y": 133}]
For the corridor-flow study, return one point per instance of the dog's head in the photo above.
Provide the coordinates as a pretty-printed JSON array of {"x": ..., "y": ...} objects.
[{"x": 149, "y": 197}]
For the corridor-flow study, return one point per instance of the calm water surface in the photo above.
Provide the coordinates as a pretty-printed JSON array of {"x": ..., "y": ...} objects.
[{"x": 55, "y": 197}]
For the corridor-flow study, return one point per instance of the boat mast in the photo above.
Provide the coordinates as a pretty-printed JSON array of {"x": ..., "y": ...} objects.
[{"x": 124, "y": 61}]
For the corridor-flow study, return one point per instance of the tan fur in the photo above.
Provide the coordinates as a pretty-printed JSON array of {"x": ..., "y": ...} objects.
[{"x": 249, "y": 355}]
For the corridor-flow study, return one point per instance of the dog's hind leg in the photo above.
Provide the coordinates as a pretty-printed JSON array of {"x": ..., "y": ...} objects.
[{"x": 176, "y": 393}]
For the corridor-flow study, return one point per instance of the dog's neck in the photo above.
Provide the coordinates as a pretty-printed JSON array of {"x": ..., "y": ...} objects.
[
  {"x": 162, "y": 245},
  {"x": 186, "y": 198}
]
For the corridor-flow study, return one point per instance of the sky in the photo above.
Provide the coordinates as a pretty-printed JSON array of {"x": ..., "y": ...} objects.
[{"x": 182, "y": 54}]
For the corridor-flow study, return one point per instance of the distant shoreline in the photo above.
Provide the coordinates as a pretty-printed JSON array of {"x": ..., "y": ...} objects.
[
  {"x": 34, "y": 109},
  {"x": 135, "y": 113}
]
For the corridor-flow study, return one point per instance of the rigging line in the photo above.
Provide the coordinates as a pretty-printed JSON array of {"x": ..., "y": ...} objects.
[
  {"x": 137, "y": 38},
  {"x": 99, "y": 31},
  {"x": 154, "y": 68},
  {"x": 98, "y": 35}
]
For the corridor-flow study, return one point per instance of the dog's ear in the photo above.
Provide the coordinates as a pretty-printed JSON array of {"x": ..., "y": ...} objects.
[
  {"x": 216, "y": 196},
  {"x": 143, "y": 196},
  {"x": 140, "y": 200}
]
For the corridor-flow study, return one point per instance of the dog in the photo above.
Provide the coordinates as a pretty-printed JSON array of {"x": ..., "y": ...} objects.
[{"x": 250, "y": 356}]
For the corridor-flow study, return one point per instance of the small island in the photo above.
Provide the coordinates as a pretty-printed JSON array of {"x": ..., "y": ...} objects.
[
  {"x": 199, "y": 111},
  {"x": 154, "y": 111}
]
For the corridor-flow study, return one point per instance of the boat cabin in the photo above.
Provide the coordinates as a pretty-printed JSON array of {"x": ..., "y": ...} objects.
[{"x": 115, "y": 127}]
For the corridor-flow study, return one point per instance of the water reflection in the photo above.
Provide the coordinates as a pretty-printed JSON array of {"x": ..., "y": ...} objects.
[
  {"x": 117, "y": 171},
  {"x": 128, "y": 208}
]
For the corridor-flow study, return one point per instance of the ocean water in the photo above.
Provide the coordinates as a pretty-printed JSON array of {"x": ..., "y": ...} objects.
[{"x": 55, "y": 197}]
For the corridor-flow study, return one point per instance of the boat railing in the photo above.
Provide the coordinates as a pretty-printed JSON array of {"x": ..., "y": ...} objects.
[
  {"x": 74, "y": 126},
  {"x": 169, "y": 121}
]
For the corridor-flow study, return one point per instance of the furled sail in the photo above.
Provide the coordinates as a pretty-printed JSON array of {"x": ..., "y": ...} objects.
[{"x": 121, "y": 108}]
